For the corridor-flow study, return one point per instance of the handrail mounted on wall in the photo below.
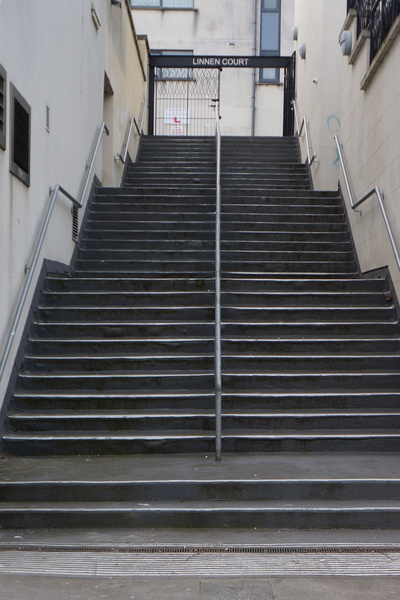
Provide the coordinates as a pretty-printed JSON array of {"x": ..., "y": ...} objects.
[
  {"x": 38, "y": 246},
  {"x": 374, "y": 191}
]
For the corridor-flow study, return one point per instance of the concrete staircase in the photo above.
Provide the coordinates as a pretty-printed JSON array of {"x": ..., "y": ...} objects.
[{"x": 118, "y": 371}]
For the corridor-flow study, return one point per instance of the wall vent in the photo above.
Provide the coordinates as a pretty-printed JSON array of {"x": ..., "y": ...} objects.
[
  {"x": 3, "y": 92},
  {"x": 48, "y": 118},
  {"x": 20, "y": 137}
]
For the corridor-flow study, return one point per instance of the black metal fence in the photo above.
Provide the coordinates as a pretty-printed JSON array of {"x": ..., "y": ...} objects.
[
  {"x": 376, "y": 15},
  {"x": 383, "y": 15}
]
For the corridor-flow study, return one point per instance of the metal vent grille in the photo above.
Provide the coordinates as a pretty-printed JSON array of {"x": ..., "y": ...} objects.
[
  {"x": 3, "y": 88},
  {"x": 48, "y": 118},
  {"x": 75, "y": 223},
  {"x": 208, "y": 549}
]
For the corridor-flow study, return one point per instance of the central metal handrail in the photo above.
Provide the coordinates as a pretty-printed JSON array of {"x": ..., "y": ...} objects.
[
  {"x": 218, "y": 375},
  {"x": 31, "y": 268},
  {"x": 374, "y": 191},
  {"x": 299, "y": 130}
]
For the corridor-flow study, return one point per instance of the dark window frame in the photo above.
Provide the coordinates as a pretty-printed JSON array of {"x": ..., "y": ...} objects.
[
  {"x": 3, "y": 108},
  {"x": 278, "y": 10},
  {"x": 173, "y": 73},
  {"x": 20, "y": 133},
  {"x": 160, "y": 5}
]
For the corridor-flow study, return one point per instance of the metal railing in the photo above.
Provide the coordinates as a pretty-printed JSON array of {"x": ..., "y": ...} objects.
[
  {"x": 218, "y": 372},
  {"x": 58, "y": 189},
  {"x": 299, "y": 130},
  {"x": 376, "y": 15},
  {"x": 122, "y": 156},
  {"x": 383, "y": 15},
  {"x": 374, "y": 191}
]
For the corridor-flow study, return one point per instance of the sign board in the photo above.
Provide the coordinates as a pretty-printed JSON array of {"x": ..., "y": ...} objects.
[
  {"x": 219, "y": 62},
  {"x": 176, "y": 116}
]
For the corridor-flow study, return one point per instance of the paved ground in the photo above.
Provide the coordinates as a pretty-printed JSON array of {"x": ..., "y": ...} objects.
[{"x": 51, "y": 588}]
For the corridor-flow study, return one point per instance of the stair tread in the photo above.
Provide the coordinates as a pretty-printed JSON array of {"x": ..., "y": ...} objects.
[
  {"x": 151, "y": 413},
  {"x": 203, "y": 505},
  {"x": 198, "y": 434}
]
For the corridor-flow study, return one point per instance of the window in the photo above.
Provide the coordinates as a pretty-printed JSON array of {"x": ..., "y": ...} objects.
[
  {"x": 20, "y": 137},
  {"x": 177, "y": 73},
  {"x": 270, "y": 37},
  {"x": 3, "y": 90},
  {"x": 162, "y": 3}
]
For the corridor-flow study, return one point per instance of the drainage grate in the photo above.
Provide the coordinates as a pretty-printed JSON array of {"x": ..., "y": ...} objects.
[{"x": 207, "y": 549}]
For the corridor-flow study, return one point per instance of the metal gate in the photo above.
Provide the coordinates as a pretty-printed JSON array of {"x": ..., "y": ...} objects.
[
  {"x": 288, "y": 96},
  {"x": 183, "y": 101},
  {"x": 182, "y": 89}
]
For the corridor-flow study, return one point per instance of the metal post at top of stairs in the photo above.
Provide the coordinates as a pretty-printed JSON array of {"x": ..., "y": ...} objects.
[{"x": 218, "y": 376}]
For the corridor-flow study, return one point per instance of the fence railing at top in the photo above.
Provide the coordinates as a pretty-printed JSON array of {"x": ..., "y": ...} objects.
[
  {"x": 377, "y": 16},
  {"x": 383, "y": 15}
]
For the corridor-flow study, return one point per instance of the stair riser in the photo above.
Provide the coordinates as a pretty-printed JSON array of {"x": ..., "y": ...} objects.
[
  {"x": 209, "y": 245},
  {"x": 182, "y": 491},
  {"x": 195, "y": 298},
  {"x": 240, "y": 364},
  {"x": 227, "y": 256},
  {"x": 54, "y": 348},
  {"x": 122, "y": 446},
  {"x": 127, "y": 285},
  {"x": 126, "y": 314},
  {"x": 197, "y": 267},
  {"x": 231, "y": 402},
  {"x": 283, "y": 383},
  {"x": 152, "y": 206},
  {"x": 134, "y": 518},
  {"x": 149, "y": 364},
  {"x": 124, "y": 331},
  {"x": 133, "y": 383},
  {"x": 153, "y": 347},
  {"x": 334, "y": 423},
  {"x": 234, "y": 315}
]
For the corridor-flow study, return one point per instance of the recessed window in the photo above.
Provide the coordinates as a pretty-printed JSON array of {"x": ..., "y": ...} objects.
[
  {"x": 3, "y": 97},
  {"x": 270, "y": 37},
  {"x": 162, "y": 3},
  {"x": 20, "y": 136}
]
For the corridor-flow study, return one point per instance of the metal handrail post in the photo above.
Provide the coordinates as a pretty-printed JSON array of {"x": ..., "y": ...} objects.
[
  {"x": 344, "y": 170},
  {"x": 389, "y": 229},
  {"x": 218, "y": 375},
  {"x": 309, "y": 157},
  {"x": 296, "y": 117},
  {"x": 123, "y": 156},
  {"x": 103, "y": 129}
]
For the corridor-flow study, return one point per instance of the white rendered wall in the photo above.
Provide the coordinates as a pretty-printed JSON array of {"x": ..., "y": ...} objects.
[
  {"x": 370, "y": 136},
  {"x": 55, "y": 57},
  {"x": 225, "y": 27},
  {"x": 319, "y": 83}
]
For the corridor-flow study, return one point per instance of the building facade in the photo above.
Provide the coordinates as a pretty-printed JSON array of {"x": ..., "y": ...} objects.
[
  {"x": 64, "y": 70},
  {"x": 251, "y": 99}
]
